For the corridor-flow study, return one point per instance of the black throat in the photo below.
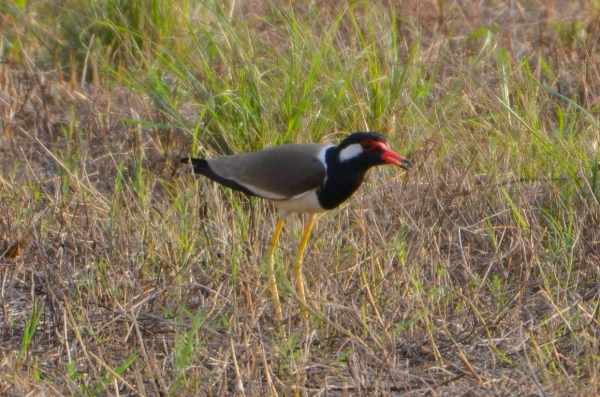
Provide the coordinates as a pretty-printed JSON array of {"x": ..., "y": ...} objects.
[{"x": 343, "y": 179}]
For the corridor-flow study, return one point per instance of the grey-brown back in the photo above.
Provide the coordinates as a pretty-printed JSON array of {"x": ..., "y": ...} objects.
[{"x": 276, "y": 173}]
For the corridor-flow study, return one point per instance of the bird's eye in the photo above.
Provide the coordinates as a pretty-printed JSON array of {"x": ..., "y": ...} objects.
[{"x": 367, "y": 145}]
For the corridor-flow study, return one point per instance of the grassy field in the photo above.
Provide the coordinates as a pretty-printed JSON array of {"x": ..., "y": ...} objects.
[{"x": 476, "y": 274}]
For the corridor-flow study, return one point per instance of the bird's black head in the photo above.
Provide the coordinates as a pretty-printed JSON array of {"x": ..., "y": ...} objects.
[
  {"x": 348, "y": 162},
  {"x": 367, "y": 149}
]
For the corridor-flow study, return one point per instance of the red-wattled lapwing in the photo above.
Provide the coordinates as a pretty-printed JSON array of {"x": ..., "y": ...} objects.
[{"x": 299, "y": 178}]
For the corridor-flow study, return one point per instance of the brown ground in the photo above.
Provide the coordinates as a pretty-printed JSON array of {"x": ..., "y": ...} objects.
[{"x": 115, "y": 280}]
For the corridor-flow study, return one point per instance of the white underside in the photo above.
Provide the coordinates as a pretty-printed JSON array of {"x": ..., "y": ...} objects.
[
  {"x": 261, "y": 193},
  {"x": 305, "y": 202}
]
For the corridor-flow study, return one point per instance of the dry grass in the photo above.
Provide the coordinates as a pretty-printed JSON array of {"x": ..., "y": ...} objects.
[{"x": 476, "y": 274}]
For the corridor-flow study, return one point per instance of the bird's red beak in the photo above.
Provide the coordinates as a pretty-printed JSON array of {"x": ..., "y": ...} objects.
[{"x": 391, "y": 157}]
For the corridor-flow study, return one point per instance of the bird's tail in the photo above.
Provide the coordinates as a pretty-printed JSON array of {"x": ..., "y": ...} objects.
[{"x": 198, "y": 164}]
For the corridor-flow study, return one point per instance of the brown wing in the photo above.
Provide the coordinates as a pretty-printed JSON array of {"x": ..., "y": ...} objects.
[{"x": 276, "y": 173}]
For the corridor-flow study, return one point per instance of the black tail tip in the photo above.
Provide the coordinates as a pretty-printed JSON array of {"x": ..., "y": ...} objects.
[{"x": 197, "y": 164}]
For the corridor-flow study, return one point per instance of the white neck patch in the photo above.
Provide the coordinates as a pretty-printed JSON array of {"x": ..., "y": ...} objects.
[
  {"x": 351, "y": 152},
  {"x": 323, "y": 154}
]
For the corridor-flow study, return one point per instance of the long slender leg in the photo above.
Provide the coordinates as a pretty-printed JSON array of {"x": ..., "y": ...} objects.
[
  {"x": 298, "y": 262},
  {"x": 271, "y": 268}
]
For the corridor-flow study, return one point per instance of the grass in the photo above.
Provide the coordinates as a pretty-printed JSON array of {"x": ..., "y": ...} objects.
[{"x": 475, "y": 274}]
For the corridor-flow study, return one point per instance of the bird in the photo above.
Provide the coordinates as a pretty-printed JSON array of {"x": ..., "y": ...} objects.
[{"x": 300, "y": 178}]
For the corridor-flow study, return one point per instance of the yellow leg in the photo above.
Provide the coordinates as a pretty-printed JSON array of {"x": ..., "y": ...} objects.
[
  {"x": 298, "y": 262},
  {"x": 271, "y": 267}
]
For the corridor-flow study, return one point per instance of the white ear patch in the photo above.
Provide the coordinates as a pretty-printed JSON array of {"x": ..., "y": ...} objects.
[{"x": 351, "y": 152}]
